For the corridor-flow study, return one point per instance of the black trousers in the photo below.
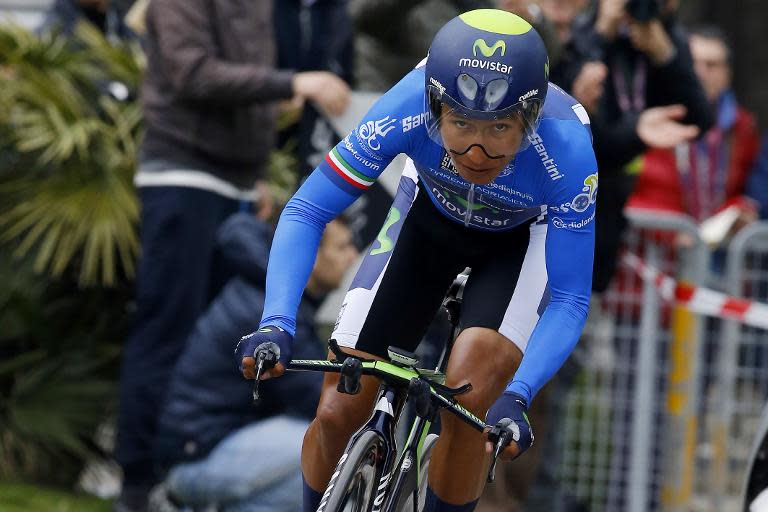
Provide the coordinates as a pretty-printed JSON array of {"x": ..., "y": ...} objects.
[{"x": 178, "y": 231}]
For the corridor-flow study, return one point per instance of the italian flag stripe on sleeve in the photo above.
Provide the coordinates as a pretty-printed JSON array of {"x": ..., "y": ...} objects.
[{"x": 347, "y": 172}]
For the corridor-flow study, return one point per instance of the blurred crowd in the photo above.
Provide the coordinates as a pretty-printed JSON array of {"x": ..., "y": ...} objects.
[{"x": 668, "y": 130}]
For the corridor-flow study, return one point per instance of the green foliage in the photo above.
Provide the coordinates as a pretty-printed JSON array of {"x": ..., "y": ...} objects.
[
  {"x": 58, "y": 361},
  {"x": 70, "y": 149},
  {"x": 27, "y": 498},
  {"x": 68, "y": 243}
]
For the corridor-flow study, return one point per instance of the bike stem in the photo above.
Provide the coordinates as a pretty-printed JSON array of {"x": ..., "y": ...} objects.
[{"x": 452, "y": 304}]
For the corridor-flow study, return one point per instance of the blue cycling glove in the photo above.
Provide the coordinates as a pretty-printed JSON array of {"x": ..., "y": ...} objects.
[
  {"x": 269, "y": 334},
  {"x": 514, "y": 407}
]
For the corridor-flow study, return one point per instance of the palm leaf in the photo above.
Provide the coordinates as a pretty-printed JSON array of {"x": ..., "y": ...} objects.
[{"x": 72, "y": 202}]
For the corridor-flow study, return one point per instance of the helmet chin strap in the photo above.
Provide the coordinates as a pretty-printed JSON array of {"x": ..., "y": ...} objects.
[{"x": 478, "y": 145}]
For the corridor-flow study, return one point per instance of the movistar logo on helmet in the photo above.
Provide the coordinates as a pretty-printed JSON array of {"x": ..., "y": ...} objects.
[
  {"x": 488, "y": 51},
  {"x": 490, "y": 65}
]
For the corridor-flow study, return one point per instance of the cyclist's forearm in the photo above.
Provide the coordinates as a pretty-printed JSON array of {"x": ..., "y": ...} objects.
[
  {"x": 295, "y": 245},
  {"x": 559, "y": 328},
  {"x": 551, "y": 343}
]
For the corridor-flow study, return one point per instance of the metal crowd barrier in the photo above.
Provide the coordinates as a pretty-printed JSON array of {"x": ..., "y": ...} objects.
[{"x": 665, "y": 407}]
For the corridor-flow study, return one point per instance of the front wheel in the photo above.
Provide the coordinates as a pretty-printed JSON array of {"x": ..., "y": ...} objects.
[{"x": 354, "y": 483}]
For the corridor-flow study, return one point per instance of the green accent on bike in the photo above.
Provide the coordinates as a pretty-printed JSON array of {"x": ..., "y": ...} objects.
[
  {"x": 265, "y": 329},
  {"x": 420, "y": 449},
  {"x": 486, "y": 50},
  {"x": 432, "y": 375},
  {"x": 446, "y": 402},
  {"x": 498, "y": 22},
  {"x": 546, "y": 69},
  {"x": 385, "y": 243},
  {"x": 314, "y": 362},
  {"x": 391, "y": 369}
]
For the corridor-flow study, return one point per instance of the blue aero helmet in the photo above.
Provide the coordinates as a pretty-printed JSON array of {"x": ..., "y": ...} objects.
[{"x": 487, "y": 64}]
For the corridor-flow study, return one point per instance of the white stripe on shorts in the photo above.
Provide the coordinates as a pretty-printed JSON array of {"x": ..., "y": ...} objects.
[
  {"x": 357, "y": 302},
  {"x": 522, "y": 313}
]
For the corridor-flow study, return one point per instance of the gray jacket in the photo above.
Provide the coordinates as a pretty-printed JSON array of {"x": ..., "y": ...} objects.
[{"x": 209, "y": 85}]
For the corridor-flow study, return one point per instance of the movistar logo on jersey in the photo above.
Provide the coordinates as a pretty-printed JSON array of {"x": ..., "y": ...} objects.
[
  {"x": 472, "y": 206},
  {"x": 460, "y": 211},
  {"x": 488, "y": 51}
]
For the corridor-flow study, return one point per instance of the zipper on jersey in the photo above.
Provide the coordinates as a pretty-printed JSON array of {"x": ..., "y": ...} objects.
[{"x": 470, "y": 202}]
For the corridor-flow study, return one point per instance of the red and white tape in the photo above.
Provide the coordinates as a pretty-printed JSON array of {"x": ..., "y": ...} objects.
[{"x": 700, "y": 300}]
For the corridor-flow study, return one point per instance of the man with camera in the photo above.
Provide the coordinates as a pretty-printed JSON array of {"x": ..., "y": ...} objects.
[{"x": 651, "y": 99}]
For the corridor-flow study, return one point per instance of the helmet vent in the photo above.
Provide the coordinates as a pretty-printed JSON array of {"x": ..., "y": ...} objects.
[
  {"x": 495, "y": 92},
  {"x": 467, "y": 86}
]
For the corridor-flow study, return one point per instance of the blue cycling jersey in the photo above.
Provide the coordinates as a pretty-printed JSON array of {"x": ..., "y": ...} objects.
[{"x": 554, "y": 180}]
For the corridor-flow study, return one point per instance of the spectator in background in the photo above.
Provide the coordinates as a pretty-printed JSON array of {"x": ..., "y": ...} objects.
[
  {"x": 306, "y": 43},
  {"x": 108, "y": 16},
  {"x": 105, "y": 15},
  {"x": 652, "y": 98},
  {"x": 583, "y": 80},
  {"x": 757, "y": 187},
  {"x": 534, "y": 12},
  {"x": 561, "y": 14},
  {"x": 392, "y": 36},
  {"x": 705, "y": 176},
  {"x": 208, "y": 101},
  {"x": 210, "y": 433}
]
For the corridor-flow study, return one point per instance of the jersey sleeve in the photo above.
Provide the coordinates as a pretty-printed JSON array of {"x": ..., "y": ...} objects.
[
  {"x": 348, "y": 170},
  {"x": 569, "y": 258},
  {"x": 358, "y": 160}
]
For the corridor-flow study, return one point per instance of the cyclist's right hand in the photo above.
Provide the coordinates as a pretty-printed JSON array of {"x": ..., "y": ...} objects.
[
  {"x": 509, "y": 415},
  {"x": 248, "y": 344}
]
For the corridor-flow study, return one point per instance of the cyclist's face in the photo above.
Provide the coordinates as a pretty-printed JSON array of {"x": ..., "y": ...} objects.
[{"x": 480, "y": 149}]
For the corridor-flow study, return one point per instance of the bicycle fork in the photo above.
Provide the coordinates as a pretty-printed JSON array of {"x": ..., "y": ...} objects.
[
  {"x": 387, "y": 410},
  {"x": 407, "y": 469},
  {"x": 389, "y": 404}
]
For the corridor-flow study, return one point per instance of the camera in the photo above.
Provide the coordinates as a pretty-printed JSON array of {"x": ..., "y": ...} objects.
[{"x": 643, "y": 10}]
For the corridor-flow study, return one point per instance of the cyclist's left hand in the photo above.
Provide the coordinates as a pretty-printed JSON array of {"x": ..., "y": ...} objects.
[{"x": 514, "y": 407}]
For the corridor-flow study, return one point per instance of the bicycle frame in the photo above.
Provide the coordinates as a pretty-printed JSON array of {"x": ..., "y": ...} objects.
[
  {"x": 390, "y": 400},
  {"x": 400, "y": 380}
]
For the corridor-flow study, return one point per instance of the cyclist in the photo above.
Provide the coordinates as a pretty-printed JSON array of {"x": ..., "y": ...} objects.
[{"x": 500, "y": 177}]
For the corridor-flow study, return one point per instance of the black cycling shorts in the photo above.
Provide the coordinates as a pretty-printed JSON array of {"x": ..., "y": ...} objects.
[{"x": 418, "y": 253}]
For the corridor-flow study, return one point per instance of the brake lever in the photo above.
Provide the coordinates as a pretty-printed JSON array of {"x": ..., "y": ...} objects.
[
  {"x": 501, "y": 437},
  {"x": 499, "y": 447},
  {"x": 266, "y": 358}
]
